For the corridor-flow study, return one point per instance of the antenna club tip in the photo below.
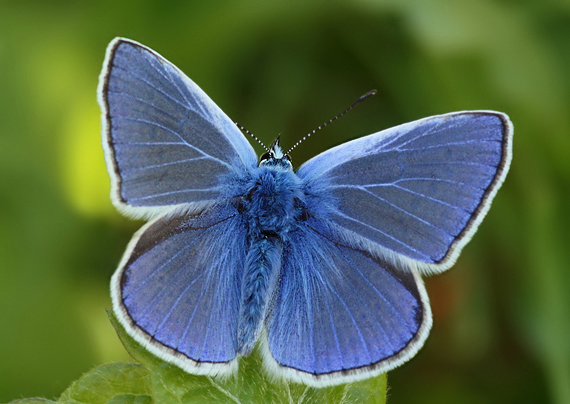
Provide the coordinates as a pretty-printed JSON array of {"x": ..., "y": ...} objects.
[
  {"x": 363, "y": 98},
  {"x": 368, "y": 94}
]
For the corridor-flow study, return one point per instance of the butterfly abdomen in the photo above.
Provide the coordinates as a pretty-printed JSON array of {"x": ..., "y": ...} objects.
[{"x": 260, "y": 278}]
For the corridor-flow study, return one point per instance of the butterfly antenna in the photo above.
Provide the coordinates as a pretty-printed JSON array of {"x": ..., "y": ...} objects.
[
  {"x": 354, "y": 104},
  {"x": 252, "y": 135}
]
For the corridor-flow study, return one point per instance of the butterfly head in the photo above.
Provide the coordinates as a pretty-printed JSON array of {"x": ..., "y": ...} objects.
[{"x": 275, "y": 158}]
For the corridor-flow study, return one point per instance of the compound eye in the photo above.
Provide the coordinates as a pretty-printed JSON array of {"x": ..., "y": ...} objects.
[{"x": 266, "y": 156}]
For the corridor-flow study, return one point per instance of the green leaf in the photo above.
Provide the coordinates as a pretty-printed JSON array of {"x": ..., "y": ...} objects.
[
  {"x": 35, "y": 400},
  {"x": 111, "y": 383},
  {"x": 170, "y": 384}
]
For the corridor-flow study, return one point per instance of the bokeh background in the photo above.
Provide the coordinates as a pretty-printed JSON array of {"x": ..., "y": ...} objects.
[{"x": 501, "y": 315}]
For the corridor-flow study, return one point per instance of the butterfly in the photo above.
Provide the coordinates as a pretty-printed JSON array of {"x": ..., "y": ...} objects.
[{"x": 320, "y": 267}]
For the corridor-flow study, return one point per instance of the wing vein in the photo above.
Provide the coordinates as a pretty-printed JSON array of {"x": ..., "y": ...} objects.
[
  {"x": 162, "y": 70},
  {"x": 170, "y": 163},
  {"x": 144, "y": 121},
  {"x": 181, "y": 191},
  {"x": 389, "y": 184},
  {"x": 353, "y": 322},
  {"x": 381, "y": 232},
  {"x": 136, "y": 76},
  {"x": 155, "y": 271},
  {"x": 389, "y": 303},
  {"x": 191, "y": 319},
  {"x": 211, "y": 314},
  {"x": 464, "y": 142},
  {"x": 152, "y": 143},
  {"x": 175, "y": 304},
  {"x": 333, "y": 327},
  {"x": 404, "y": 211},
  {"x": 430, "y": 198},
  {"x": 183, "y": 93},
  {"x": 143, "y": 102},
  {"x": 159, "y": 294},
  {"x": 428, "y": 132},
  {"x": 419, "y": 135}
]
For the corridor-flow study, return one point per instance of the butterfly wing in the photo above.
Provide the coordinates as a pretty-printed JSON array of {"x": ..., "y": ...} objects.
[
  {"x": 340, "y": 314},
  {"x": 177, "y": 288},
  {"x": 418, "y": 190},
  {"x": 165, "y": 141}
]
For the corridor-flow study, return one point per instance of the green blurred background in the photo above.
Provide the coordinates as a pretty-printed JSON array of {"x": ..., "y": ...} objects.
[{"x": 501, "y": 316}]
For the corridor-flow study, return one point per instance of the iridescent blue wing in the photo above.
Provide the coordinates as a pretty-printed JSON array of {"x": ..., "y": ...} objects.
[
  {"x": 166, "y": 143},
  {"x": 418, "y": 190},
  {"x": 341, "y": 314},
  {"x": 177, "y": 288}
]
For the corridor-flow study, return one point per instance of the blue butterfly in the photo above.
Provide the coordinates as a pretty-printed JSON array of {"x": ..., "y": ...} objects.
[{"x": 320, "y": 267}]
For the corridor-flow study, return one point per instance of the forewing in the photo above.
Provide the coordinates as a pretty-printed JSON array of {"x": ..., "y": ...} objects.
[
  {"x": 420, "y": 189},
  {"x": 341, "y": 315},
  {"x": 177, "y": 288},
  {"x": 166, "y": 142}
]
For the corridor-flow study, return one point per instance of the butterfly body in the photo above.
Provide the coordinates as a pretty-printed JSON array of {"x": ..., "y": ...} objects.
[
  {"x": 271, "y": 208},
  {"x": 319, "y": 267}
]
